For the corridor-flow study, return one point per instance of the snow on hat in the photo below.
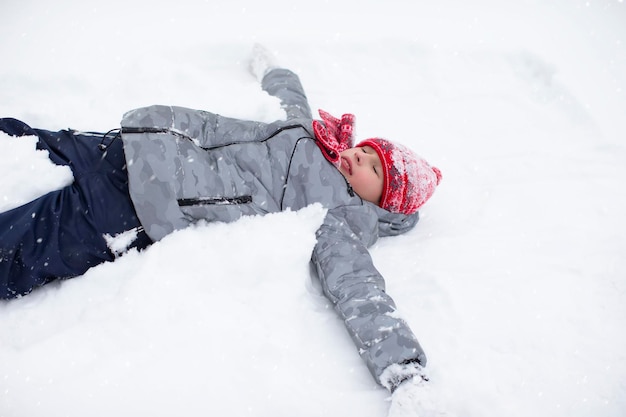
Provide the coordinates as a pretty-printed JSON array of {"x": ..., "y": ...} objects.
[{"x": 409, "y": 181}]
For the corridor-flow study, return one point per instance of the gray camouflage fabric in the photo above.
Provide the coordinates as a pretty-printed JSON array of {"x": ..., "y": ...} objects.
[{"x": 185, "y": 165}]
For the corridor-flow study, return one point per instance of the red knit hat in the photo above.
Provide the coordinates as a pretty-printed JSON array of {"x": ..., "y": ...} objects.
[{"x": 409, "y": 181}]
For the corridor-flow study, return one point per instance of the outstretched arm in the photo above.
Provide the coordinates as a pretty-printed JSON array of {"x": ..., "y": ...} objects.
[
  {"x": 285, "y": 85},
  {"x": 357, "y": 290},
  {"x": 279, "y": 82}
]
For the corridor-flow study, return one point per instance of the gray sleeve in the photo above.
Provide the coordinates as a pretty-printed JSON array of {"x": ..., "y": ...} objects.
[
  {"x": 285, "y": 85},
  {"x": 357, "y": 291}
]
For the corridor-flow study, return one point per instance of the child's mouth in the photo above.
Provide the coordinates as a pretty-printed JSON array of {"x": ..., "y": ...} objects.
[{"x": 347, "y": 165}]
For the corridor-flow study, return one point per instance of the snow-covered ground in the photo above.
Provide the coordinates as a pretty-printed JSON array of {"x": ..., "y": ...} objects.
[{"x": 514, "y": 280}]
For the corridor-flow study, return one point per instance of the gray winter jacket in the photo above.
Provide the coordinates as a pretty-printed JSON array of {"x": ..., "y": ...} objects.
[{"x": 185, "y": 165}]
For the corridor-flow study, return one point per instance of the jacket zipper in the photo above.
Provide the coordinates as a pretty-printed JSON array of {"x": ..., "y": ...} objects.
[
  {"x": 204, "y": 201},
  {"x": 162, "y": 130}
]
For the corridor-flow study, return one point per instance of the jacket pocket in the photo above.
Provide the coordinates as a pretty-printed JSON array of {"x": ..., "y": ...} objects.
[{"x": 206, "y": 201}]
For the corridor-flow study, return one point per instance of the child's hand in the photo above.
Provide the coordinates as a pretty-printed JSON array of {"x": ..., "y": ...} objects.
[
  {"x": 261, "y": 61},
  {"x": 415, "y": 398}
]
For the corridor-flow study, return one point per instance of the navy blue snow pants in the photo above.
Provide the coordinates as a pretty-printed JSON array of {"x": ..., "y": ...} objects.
[{"x": 60, "y": 235}]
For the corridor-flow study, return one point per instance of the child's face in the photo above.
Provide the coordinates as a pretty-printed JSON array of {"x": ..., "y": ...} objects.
[{"x": 363, "y": 170}]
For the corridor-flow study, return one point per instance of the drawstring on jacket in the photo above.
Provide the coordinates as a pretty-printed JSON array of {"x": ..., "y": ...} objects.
[{"x": 104, "y": 147}]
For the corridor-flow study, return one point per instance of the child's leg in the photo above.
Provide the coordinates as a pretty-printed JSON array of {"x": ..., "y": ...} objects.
[
  {"x": 60, "y": 234},
  {"x": 46, "y": 239}
]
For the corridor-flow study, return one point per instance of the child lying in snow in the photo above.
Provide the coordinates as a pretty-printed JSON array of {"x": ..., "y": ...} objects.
[{"x": 168, "y": 167}]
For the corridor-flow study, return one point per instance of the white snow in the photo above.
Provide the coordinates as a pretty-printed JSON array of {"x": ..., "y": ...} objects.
[
  {"x": 514, "y": 280},
  {"x": 27, "y": 174},
  {"x": 119, "y": 243}
]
